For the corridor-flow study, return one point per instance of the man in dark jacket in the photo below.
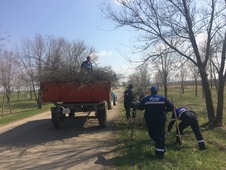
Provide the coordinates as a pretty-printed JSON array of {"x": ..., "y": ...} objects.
[
  {"x": 128, "y": 101},
  {"x": 155, "y": 117},
  {"x": 187, "y": 118},
  {"x": 87, "y": 65}
]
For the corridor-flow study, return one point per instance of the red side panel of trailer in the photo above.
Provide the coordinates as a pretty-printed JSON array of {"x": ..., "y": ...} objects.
[{"x": 75, "y": 92}]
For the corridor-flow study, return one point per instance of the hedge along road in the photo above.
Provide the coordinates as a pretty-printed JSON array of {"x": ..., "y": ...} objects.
[{"x": 33, "y": 143}]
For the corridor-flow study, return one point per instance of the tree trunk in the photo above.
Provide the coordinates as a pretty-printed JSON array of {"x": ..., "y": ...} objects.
[
  {"x": 196, "y": 87},
  {"x": 37, "y": 98},
  {"x": 39, "y": 101},
  {"x": 182, "y": 87},
  {"x": 7, "y": 98},
  {"x": 211, "y": 76},
  {"x": 165, "y": 75},
  {"x": 222, "y": 77},
  {"x": 10, "y": 106},
  {"x": 165, "y": 89},
  {"x": 18, "y": 95},
  {"x": 3, "y": 104},
  {"x": 220, "y": 103},
  {"x": 208, "y": 99}
]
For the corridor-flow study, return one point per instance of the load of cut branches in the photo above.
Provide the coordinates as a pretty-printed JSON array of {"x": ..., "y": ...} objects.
[{"x": 66, "y": 75}]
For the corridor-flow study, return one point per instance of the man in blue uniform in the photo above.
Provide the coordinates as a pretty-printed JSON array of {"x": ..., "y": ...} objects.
[
  {"x": 128, "y": 101},
  {"x": 187, "y": 118},
  {"x": 87, "y": 65},
  {"x": 155, "y": 117}
]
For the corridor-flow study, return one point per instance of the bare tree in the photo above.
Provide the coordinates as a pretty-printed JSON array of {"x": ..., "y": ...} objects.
[
  {"x": 195, "y": 76},
  {"x": 219, "y": 70},
  {"x": 164, "y": 64},
  {"x": 140, "y": 79},
  {"x": 20, "y": 84},
  {"x": 180, "y": 24},
  {"x": 64, "y": 59},
  {"x": 158, "y": 79},
  {"x": 76, "y": 52},
  {"x": 31, "y": 57},
  {"x": 8, "y": 73},
  {"x": 50, "y": 58},
  {"x": 183, "y": 74}
]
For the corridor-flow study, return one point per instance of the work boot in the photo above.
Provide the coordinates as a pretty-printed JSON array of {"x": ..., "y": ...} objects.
[
  {"x": 202, "y": 146},
  {"x": 178, "y": 141}
]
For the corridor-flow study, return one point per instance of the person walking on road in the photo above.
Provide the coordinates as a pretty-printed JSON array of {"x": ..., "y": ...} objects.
[
  {"x": 128, "y": 102},
  {"x": 187, "y": 118},
  {"x": 156, "y": 108}
]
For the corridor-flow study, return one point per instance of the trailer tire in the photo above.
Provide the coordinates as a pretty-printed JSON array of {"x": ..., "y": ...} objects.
[
  {"x": 57, "y": 117},
  {"x": 102, "y": 115},
  {"x": 72, "y": 114}
]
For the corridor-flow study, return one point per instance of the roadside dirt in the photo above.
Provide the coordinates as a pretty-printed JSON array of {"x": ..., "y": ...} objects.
[{"x": 34, "y": 143}]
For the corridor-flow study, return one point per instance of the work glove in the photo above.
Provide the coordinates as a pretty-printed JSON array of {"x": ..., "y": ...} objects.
[
  {"x": 170, "y": 126},
  {"x": 137, "y": 102}
]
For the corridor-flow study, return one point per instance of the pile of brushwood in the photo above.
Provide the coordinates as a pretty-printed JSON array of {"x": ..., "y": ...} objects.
[{"x": 94, "y": 76}]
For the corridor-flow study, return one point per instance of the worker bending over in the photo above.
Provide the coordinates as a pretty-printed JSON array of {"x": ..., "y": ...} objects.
[{"x": 187, "y": 118}]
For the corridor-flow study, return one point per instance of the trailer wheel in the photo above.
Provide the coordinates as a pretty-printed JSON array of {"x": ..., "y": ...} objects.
[
  {"x": 102, "y": 114},
  {"x": 72, "y": 114},
  {"x": 57, "y": 117}
]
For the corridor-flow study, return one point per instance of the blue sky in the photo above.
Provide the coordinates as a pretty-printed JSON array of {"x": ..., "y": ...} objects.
[{"x": 71, "y": 19}]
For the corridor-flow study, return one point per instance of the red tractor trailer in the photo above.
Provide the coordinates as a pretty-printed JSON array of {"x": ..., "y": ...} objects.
[{"x": 70, "y": 98}]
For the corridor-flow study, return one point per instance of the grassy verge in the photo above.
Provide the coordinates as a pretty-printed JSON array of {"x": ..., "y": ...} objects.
[
  {"x": 139, "y": 153},
  {"x": 23, "y": 110}
]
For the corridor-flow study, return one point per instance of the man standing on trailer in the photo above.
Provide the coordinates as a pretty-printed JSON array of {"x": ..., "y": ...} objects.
[
  {"x": 187, "y": 118},
  {"x": 155, "y": 117},
  {"x": 87, "y": 65}
]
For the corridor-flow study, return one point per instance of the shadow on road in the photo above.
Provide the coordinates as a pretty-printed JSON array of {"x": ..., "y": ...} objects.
[{"x": 42, "y": 131}]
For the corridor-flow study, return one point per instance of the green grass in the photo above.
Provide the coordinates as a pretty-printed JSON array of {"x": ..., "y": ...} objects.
[
  {"x": 23, "y": 114},
  {"x": 139, "y": 153},
  {"x": 22, "y": 108}
]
